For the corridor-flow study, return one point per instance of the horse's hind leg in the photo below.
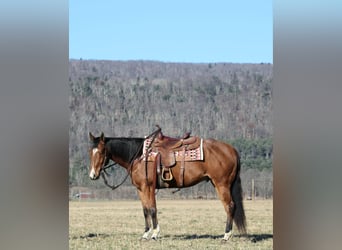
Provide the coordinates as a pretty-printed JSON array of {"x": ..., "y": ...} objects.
[{"x": 223, "y": 192}]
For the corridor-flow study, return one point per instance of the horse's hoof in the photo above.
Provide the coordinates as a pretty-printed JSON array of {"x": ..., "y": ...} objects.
[
  {"x": 156, "y": 233},
  {"x": 227, "y": 236}
]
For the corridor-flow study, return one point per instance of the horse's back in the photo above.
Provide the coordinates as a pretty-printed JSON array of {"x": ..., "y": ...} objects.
[{"x": 219, "y": 149}]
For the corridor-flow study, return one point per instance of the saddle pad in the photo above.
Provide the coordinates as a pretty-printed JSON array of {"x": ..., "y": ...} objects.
[{"x": 190, "y": 155}]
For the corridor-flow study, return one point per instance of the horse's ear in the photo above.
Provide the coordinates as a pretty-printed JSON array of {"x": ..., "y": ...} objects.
[
  {"x": 102, "y": 137},
  {"x": 92, "y": 138}
]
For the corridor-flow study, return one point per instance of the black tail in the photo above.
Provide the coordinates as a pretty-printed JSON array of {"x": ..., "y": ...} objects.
[{"x": 239, "y": 213}]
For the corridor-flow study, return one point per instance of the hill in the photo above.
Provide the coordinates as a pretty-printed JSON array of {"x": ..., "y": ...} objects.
[{"x": 225, "y": 101}]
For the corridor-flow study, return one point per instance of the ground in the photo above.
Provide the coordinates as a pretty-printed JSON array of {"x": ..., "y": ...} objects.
[{"x": 193, "y": 224}]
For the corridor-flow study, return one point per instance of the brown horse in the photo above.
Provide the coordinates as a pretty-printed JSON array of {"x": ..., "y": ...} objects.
[{"x": 221, "y": 165}]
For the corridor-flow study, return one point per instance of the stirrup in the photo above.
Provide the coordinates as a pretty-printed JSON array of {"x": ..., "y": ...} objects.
[{"x": 170, "y": 173}]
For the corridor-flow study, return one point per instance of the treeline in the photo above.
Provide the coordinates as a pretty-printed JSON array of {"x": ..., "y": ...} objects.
[
  {"x": 256, "y": 154},
  {"x": 228, "y": 102}
]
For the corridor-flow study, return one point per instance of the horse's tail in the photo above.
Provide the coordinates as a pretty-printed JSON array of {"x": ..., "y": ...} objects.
[{"x": 239, "y": 212}]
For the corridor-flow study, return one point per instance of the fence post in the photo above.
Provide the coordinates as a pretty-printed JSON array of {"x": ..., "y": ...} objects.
[{"x": 253, "y": 193}]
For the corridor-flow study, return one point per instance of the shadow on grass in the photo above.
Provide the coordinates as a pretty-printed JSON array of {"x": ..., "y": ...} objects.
[
  {"x": 249, "y": 237},
  {"x": 192, "y": 236},
  {"x": 255, "y": 237},
  {"x": 91, "y": 235}
]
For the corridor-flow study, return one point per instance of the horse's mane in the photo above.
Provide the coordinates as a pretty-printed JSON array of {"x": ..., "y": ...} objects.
[
  {"x": 125, "y": 147},
  {"x": 107, "y": 139}
]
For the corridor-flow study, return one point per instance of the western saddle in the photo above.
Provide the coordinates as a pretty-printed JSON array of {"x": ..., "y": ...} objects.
[{"x": 170, "y": 150}]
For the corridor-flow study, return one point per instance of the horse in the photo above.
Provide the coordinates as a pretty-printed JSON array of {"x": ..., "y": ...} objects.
[{"x": 220, "y": 166}]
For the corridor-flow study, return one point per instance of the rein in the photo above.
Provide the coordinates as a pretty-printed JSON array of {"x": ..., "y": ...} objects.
[
  {"x": 129, "y": 170},
  {"x": 108, "y": 185}
]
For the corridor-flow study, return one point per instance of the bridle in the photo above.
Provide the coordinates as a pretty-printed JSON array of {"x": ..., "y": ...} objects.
[
  {"x": 106, "y": 161},
  {"x": 106, "y": 164},
  {"x": 103, "y": 172}
]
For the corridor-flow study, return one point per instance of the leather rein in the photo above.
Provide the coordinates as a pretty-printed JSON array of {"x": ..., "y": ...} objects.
[{"x": 129, "y": 170}]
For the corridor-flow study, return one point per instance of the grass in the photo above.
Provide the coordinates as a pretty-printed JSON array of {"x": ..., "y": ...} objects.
[{"x": 193, "y": 224}]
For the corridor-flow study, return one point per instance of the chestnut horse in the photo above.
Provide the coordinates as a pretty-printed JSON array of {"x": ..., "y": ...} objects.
[{"x": 221, "y": 165}]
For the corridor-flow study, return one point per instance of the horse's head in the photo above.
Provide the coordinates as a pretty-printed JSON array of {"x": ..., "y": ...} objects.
[{"x": 97, "y": 154}]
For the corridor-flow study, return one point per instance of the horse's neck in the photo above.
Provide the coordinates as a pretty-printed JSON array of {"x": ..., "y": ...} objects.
[
  {"x": 121, "y": 151},
  {"x": 120, "y": 161}
]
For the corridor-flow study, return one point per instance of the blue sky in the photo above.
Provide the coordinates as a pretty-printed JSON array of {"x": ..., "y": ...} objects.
[{"x": 172, "y": 31}]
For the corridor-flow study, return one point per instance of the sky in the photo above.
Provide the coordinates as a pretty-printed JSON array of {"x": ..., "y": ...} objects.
[{"x": 172, "y": 31}]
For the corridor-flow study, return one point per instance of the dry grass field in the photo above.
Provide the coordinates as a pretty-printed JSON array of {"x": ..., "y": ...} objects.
[{"x": 185, "y": 224}]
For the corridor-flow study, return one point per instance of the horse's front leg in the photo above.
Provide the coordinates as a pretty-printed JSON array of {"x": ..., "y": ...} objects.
[
  {"x": 153, "y": 212},
  {"x": 147, "y": 214},
  {"x": 148, "y": 200},
  {"x": 148, "y": 228},
  {"x": 156, "y": 229}
]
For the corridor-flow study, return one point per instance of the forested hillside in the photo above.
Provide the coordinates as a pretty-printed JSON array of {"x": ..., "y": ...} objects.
[{"x": 225, "y": 101}]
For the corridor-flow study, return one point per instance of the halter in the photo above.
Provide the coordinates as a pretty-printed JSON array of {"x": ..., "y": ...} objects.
[
  {"x": 129, "y": 170},
  {"x": 104, "y": 166}
]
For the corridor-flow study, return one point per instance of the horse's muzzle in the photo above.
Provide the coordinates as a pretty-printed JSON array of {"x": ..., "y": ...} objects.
[{"x": 93, "y": 176}]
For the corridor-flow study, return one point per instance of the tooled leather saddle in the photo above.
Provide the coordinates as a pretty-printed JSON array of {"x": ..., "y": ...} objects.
[
  {"x": 166, "y": 151},
  {"x": 171, "y": 149}
]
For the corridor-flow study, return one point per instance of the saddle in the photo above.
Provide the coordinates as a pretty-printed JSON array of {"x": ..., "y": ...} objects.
[
  {"x": 167, "y": 151},
  {"x": 169, "y": 147}
]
